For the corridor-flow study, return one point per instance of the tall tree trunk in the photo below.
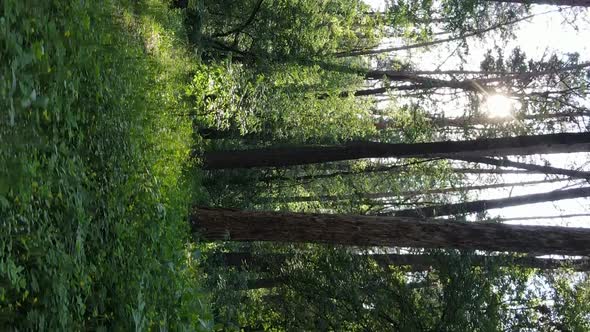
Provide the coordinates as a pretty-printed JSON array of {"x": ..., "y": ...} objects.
[
  {"x": 384, "y": 168},
  {"x": 380, "y": 91},
  {"x": 291, "y": 156},
  {"x": 570, "y": 3},
  {"x": 529, "y": 167},
  {"x": 223, "y": 224},
  {"x": 483, "y": 205},
  {"x": 242, "y": 26},
  {"x": 214, "y": 133},
  {"x": 562, "y": 216},
  {"x": 466, "y": 85},
  {"x": 478, "y": 85},
  {"x": 420, "y": 81},
  {"x": 265, "y": 283},
  {"x": 462, "y": 122},
  {"x": 410, "y": 193},
  {"x": 491, "y": 171},
  {"x": 366, "y": 170},
  {"x": 435, "y": 42},
  {"x": 416, "y": 76},
  {"x": 416, "y": 262}
]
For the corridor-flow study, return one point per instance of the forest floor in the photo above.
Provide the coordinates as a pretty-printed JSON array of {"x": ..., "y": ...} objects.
[{"x": 95, "y": 170}]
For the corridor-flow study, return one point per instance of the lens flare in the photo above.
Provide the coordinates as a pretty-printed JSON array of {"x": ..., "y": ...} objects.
[{"x": 499, "y": 106}]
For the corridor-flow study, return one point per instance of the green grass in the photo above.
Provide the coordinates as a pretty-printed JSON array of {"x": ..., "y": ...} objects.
[{"x": 94, "y": 181}]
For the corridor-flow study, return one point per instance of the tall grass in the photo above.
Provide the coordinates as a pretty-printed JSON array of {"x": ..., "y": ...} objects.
[{"x": 93, "y": 184}]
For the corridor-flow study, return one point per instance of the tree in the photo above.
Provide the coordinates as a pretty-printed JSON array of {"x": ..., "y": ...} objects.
[
  {"x": 434, "y": 42},
  {"x": 264, "y": 31},
  {"x": 413, "y": 262},
  {"x": 562, "y": 216},
  {"x": 542, "y": 94},
  {"x": 298, "y": 91},
  {"x": 393, "y": 169},
  {"x": 282, "y": 157},
  {"x": 222, "y": 224},
  {"x": 529, "y": 167},
  {"x": 348, "y": 293},
  {"x": 483, "y": 205},
  {"x": 482, "y": 83},
  {"x": 415, "y": 192},
  {"x": 466, "y": 121},
  {"x": 571, "y": 3}
]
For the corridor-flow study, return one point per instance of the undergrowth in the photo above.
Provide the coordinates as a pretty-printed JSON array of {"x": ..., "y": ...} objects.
[{"x": 94, "y": 187}]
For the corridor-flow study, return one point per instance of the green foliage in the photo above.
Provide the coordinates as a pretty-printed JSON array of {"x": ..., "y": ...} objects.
[
  {"x": 464, "y": 16},
  {"x": 289, "y": 103},
  {"x": 407, "y": 124},
  {"x": 93, "y": 199},
  {"x": 227, "y": 97},
  {"x": 279, "y": 30},
  {"x": 411, "y": 19},
  {"x": 571, "y": 303},
  {"x": 339, "y": 289}
]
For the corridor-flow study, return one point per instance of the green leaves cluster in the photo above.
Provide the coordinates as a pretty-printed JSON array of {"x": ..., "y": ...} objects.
[
  {"x": 571, "y": 310},
  {"x": 228, "y": 97},
  {"x": 339, "y": 289},
  {"x": 285, "y": 29},
  {"x": 291, "y": 102}
]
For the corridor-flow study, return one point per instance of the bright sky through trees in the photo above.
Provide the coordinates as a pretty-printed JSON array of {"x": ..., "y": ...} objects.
[
  {"x": 498, "y": 106},
  {"x": 537, "y": 37}
]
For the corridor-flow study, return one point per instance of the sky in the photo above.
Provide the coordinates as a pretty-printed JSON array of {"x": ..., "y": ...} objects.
[{"x": 541, "y": 35}]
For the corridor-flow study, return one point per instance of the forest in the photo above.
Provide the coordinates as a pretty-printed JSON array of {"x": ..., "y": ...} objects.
[{"x": 295, "y": 165}]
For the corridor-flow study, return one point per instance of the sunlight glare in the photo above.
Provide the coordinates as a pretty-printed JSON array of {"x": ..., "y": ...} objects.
[{"x": 499, "y": 106}]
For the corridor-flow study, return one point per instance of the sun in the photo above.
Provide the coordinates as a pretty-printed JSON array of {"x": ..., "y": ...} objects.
[{"x": 499, "y": 106}]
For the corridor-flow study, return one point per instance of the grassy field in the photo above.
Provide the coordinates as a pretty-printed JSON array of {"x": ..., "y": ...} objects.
[{"x": 95, "y": 178}]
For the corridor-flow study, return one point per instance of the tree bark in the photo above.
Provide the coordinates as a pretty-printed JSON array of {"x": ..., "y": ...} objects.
[
  {"x": 243, "y": 25},
  {"x": 562, "y": 216},
  {"x": 421, "y": 82},
  {"x": 214, "y": 133},
  {"x": 345, "y": 171},
  {"x": 384, "y": 169},
  {"x": 569, "y": 3},
  {"x": 416, "y": 76},
  {"x": 529, "y": 167},
  {"x": 427, "y": 82},
  {"x": 434, "y": 42},
  {"x": 492, "y": 171},
  {"x": 416, "y": 262},
  {"x": 483, "y": 205},
  {"x": 412, "y": 193},
  {"x": 462, "y": 122},
  {"x": 232, "y": 225},
  {"x": 478, "y": 85},
  {"x": 265, "y": 283},
  {"x": 291, "y": 156}
]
